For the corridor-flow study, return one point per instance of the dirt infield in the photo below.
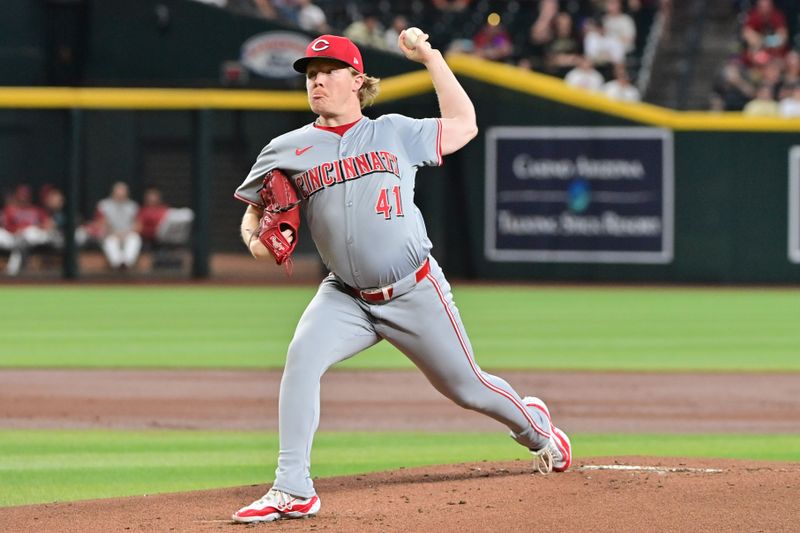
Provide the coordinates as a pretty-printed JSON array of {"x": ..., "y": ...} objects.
[
  {"x": 481, "y": 497},
  {"x": 397, "y": 400},
  {"x": 741, "y": 496}
]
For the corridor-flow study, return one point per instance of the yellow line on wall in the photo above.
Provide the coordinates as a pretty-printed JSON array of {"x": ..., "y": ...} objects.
[
  {"x": 556, "y": 90},
  {"x": 394, "y": 88},
  {"x": 404, "y": 86},
  {"x": 181, "y": 99},
  {"x": 118, "y": 98}
]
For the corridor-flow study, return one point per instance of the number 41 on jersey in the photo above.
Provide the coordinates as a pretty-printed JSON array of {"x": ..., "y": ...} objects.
[{"x": 384, "y": 206}]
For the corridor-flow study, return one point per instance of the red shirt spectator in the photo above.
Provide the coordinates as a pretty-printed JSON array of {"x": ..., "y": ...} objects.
[
  {"x": 20, "y": 213},
  {"x": 493, "y": 42},
  {"x": 149, "y": 217},
  {"x": 765, "y": 18},
  {"x": 151, "y": 214},
  {"x": 765, "y": 33}
]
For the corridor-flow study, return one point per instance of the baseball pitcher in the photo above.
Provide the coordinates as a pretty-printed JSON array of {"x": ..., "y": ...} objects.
[{"x": 354, "y": 177}]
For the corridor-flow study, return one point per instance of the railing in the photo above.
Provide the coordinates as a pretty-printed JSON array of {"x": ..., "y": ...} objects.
[{"x": 650, "y": 49}]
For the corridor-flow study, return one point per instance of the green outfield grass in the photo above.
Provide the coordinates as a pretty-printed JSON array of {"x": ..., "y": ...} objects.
[
  {"x": 510, "y": 327},
  {"x": 45, "y": 466}
]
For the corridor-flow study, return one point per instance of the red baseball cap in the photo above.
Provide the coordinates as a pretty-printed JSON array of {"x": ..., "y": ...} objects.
[{"x": 331, "y": 47}]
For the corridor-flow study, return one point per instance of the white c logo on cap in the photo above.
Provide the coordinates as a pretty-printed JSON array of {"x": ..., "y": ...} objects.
[{"x": 320, "y": 45}]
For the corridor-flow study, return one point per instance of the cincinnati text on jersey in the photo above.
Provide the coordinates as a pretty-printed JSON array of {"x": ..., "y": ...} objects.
[{"x": 330, "y": 173}]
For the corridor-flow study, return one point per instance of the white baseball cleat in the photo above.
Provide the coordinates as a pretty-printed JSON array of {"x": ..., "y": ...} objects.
[
  {"x": 276, "y": 504},
  {"x": 557, "y": 455}
]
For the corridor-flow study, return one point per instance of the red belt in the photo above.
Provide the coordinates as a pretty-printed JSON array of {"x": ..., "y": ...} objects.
[{"x": 385, "y": 293}]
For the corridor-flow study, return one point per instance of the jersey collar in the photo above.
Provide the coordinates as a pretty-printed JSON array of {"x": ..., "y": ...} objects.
[{"x": 338, "y": 130}]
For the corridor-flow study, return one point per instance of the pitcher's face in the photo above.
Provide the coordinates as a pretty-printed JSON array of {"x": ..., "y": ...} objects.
[{"x": 331, "y": 86}]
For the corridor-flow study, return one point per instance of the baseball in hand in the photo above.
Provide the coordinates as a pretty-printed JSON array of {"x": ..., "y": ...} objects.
[{"x": 411, "y": 36}]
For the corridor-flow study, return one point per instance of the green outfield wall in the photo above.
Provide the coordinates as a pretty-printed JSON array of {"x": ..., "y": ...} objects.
[{"x": 726, "y": 213}]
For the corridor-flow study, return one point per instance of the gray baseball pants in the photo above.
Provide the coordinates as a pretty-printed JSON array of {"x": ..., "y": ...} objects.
[{"x": 424, "y": 324}]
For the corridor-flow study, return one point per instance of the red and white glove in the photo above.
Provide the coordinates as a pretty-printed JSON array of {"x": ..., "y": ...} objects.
[{"x": 281, "y": 213}]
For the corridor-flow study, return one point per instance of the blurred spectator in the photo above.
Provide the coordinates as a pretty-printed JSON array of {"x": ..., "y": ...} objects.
[
  {"x": 158, "y": 223},
  {"x": 599, "y": 48},
  {"x": 27, "y": 224},
  {"x": 564, "y": 51},
  {"x": 163, "y": 227},
  {"x": 121, "y": 244},
  {"x": 552, "y": 42},
  {"x": 54, "y": 206},
  {"x": 265, "y": 9},
  {"x": 53, "y": 202},
  {"x": 771, "y": 75},
  {"x": 584, "y": 76},
  {"x": 253, "y": 8},
  {"x": 620, "y": 87},
  {"x": 733, "y": 89},
  {"x": 541, "y": 34},
  {"x": 619, "y": 25},
  {"x": 542, "y": 30},
  {"x": 763, "y": 105},
  {"x": 789, "y": 106},
  {"x": 791, "y": 73},
  {"x": 764, "y": 33},
  {"x": 368, "y": 31},
  {"x": 493, "y": 42},
  {"x": 21, "y": 214},
  {"x": 151, "y": 214},
  {"x": 399, "y": 23},
  {"x": 310, "y": 17},
  {"x": 286, "y": 9}
]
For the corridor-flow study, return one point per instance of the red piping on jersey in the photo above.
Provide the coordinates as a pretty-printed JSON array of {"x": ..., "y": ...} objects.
[
  {"x": 439, "y": 142},
  {"x": 545, "y": 413},
  {"x": 483, "y": 380},
  {"x": 338, "y": 130},
  {"x": 245, "y": 200}
]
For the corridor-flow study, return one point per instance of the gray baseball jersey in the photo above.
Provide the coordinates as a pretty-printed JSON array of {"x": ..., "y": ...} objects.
[
  {"x": 359, "y": 204},
  {"x": 359, "y": 192},
  {"x": 120, "y": 216}
]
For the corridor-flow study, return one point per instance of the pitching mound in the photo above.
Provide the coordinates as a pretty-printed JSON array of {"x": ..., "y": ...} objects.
[{"x": 602, "y": 494}]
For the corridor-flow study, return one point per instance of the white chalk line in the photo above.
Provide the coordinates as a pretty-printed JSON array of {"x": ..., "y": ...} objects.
[{"x": 658, "y": 469}]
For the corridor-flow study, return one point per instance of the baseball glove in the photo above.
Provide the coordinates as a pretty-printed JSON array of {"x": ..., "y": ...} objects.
[{"x": 281, "y": 212}]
